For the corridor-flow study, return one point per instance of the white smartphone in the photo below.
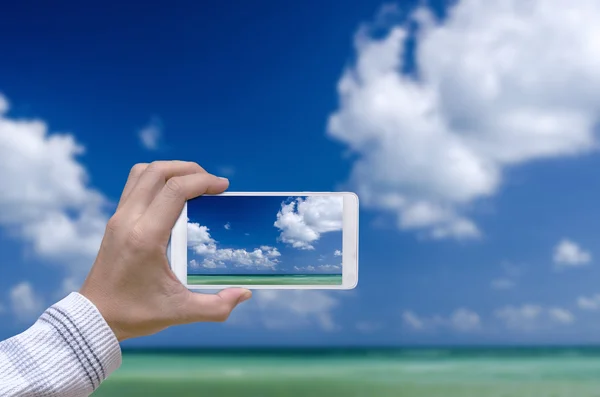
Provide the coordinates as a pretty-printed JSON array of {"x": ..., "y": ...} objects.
[{"x": 267, "y": 240}]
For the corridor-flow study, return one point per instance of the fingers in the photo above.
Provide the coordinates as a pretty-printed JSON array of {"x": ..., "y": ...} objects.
[
  {"x": 152, "y": 180},
  {"x": 134, "y": 175},
  {"x": 161, "y": 215},
  {"x": 212, "y": 308}
]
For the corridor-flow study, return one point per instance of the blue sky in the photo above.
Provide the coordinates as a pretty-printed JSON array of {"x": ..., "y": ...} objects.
[
  {"x": 471, "y": 141},
  {"x": 265, "y": 235}
]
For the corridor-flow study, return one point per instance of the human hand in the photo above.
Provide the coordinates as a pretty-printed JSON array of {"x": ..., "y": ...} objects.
[{"x": 131, "y": 282}]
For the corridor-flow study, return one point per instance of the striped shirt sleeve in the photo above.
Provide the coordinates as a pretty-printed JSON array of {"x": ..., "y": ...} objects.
[{"x": 68, "y": 352}]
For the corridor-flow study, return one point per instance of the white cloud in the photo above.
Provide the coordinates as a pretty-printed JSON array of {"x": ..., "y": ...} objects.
[
  {"x": 289, "y": 309},
  {"x": 242, "y": 258},
  {"x": 25, "y": 303},
  {"x": 592, "y": 303},
  {"x": 309, "y": 268},
  {"x": 329, "y": 268},
  {"x": 199, "y": 239},
  {"x": 412, "y": 320},
  {"x": 319, "y": 268},
  {"x": 227, "y": 226},
  {"x": 270, "y": 252},
  {"x": 201, "y": 243},
  {"x": 497, "y": 84},
  {"x": 568, "y": 253},
  {"x": 529, "y": 317},
  {"x": 460, "y": 320},
  {"x": 302, "y": 221},
  {"x": 524, "y": 317},
  {"x": 45, "y": 198},
  {"x": 562, "y": 316},
  {"x": 503, "y": 283},
  {"x": 151, "y": 134},
  {"x": 465, "y": 320},
  {"x": 337, "y": 253},
  {"x": 206, "y": 263}
]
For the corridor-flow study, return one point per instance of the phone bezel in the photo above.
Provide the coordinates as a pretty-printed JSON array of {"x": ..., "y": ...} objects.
[{"x": 177, "y": 250}]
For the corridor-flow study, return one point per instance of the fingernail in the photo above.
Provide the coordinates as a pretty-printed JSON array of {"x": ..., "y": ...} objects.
[
  {"x": 225, "y": 179},
  {"x": 245, "y": 297}
]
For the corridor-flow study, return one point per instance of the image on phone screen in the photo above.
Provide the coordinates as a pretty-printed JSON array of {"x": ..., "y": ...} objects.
[{"x": 265, "y": 240}]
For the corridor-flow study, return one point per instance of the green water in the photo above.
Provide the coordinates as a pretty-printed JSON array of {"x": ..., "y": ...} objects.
[
  {"x": 354, "y": 373},
  {"x": 267, "y": 279}
]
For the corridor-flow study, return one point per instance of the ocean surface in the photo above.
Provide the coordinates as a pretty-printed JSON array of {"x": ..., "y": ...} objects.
[
  {"x": 264, "y": 279},
  {"x": 462, "y": 372}
]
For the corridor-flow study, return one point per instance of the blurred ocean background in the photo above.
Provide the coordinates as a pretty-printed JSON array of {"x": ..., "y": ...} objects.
[{"x": 381, "y": 372}]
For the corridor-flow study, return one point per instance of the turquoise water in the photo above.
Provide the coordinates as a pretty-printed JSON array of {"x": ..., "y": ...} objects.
[
  {"x": 367, "y": 372},
  {"x": 264, "y": 279}
]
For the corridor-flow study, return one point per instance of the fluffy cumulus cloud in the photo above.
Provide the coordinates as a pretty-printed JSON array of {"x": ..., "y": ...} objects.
[
  {"x": 289, "y": 310},
  {"x": 460, "y": 320},
  {"x": 45, "y": 197},
  {"x": 569, "y": 254},
  {"x": 337, "y": 253},
  {"x": 302, "y": 221},
  {"x": 589, "y": 303},
  {"x": 25, "y": 303},
  {"x": 495, "y": 84},
  {"x": 202, "y": 244},
  {"x": 199, "y": 239},
  {"x": 151, "y": 134},
  {"x": 529, "y": 317}
]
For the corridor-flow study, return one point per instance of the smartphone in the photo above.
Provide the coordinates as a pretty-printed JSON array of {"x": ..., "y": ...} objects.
[{"x": 267, "y": 240}]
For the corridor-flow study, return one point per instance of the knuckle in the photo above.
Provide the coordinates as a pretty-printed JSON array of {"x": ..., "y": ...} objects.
[
  {"x": 173, "y": 188},
  {"x": 135, "y": 238},
  {"x": 138, "y": 168},
  {"x": 158, "y": 168},
  {"x": 113, "y": 224}
]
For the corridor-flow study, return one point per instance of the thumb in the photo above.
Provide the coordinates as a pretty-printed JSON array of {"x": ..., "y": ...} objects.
[
  {"x": 214, "y": 307},
  {"x": 235, "y": 295}
]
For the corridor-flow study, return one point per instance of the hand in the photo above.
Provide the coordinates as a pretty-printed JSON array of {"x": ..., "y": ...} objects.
[{"x": 131, "y": 282}]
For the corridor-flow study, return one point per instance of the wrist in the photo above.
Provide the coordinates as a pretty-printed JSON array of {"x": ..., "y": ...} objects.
[{"x": 104, "y": 311}]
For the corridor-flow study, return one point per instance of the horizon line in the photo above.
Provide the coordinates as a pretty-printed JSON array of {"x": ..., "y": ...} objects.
[{"x": 365, "y": 347}]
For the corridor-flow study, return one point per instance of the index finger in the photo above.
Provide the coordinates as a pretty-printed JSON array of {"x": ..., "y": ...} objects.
[
  {"x": 132, "y": 179},
  {"x": 152, "y": 180},
  {"x": 165, "y": 209}
]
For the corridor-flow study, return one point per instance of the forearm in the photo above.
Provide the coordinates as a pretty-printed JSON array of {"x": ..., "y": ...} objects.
[{"x": 68, "y": 352}]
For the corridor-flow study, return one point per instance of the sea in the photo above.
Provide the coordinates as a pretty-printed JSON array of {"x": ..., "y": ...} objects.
[
  {"x": 264, "y": 279},
  {"x": 359, "y": 372}
]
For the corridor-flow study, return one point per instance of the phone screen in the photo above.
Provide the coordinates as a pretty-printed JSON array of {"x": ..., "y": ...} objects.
[{"x": 265, "y": 240}]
